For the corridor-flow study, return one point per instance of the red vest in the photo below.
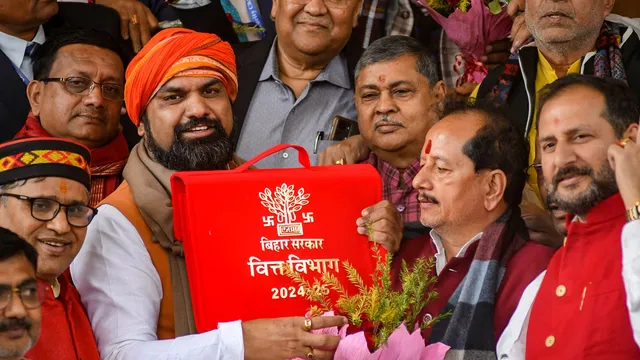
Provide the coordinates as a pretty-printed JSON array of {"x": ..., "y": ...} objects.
[
  {"x": 65, "y": 333},
  {"x": 580, "y": 311},
  {"x": 525, "y": 265}
]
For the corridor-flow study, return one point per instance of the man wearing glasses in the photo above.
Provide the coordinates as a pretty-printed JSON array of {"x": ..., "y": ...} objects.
[
  {"x": 20, "y": 296},
  {"x": 77, "y": 94},
  {"x": 44, "y": 196}
]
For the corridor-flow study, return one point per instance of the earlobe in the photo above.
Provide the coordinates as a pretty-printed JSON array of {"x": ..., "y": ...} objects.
[
  {"x": 34, "y": 94},
  {"x": 274, "y": 10},
  {"x": 631, "y": 133},
  {"x": 356, "y": 14},
  {"x": 608, "y": 7},
  {"x": 141, "y": 129}
]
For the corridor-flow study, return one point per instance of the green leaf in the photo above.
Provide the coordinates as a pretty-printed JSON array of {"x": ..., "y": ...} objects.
[{"x": 495, "y": 7}]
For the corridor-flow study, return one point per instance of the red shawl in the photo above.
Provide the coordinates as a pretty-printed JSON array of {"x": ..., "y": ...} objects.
[
  {"x": 107, "y": 162},
  {"x": 65, "y": 333}
]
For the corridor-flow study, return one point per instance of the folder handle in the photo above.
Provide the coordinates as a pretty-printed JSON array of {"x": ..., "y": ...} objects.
[{"x": 303, "y": 156}]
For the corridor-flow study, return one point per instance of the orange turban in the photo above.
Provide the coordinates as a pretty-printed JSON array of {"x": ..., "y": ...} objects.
[{"x": 177, "y": 52}]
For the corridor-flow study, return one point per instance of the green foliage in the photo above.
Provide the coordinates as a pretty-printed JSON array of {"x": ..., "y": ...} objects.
[{"x": 384, "y": 308}]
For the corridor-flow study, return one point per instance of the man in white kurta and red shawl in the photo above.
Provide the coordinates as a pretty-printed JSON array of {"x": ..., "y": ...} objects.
[{"x": 587, "y": 304}]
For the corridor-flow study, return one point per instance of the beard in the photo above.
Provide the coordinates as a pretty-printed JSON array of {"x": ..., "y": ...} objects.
[
  {"x": 603, "y": 185},
  {"x": 209, "y": 153}
]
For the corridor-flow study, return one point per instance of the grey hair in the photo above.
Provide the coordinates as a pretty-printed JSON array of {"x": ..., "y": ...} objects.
[{"x": 392, "y": 47}]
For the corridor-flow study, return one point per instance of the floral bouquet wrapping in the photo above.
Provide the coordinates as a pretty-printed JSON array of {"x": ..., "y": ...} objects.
[
  {"x": 471, "y": 25},
  {"x": 382, "y": 321}
]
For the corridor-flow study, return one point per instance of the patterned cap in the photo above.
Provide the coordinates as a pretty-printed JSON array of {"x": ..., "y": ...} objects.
[{"x": 42, "y": 157}]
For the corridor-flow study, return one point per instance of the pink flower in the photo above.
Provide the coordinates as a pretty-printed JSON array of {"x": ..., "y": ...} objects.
[{"x": 400, "y": 346}]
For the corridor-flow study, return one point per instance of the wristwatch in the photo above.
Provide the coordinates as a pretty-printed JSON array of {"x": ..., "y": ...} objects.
[{"x": 633, "y": 213}]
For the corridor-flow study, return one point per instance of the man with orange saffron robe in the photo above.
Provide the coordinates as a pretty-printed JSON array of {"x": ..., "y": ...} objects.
[
  {"x": 131, "y": 274},
  {"x": 44, "y": 196},
  {"x": 77, "y": 94}
]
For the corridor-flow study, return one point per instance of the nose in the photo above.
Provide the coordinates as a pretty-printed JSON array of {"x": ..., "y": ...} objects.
[
  {"x": 59, "y": 223},
  {"x": 563, "y": 155},
  {"x": 94, "y": 97},
  {"x": 386, "y": 105},
  {"x": 421, "y": 180},
  {"x": 316, "y": 8},
  {"x": 15, "y": 308},
  {"x": 197, "y": 106}
]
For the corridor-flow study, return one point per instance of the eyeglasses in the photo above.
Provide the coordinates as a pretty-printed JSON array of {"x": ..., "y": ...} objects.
[
  {"x": 47, "y": 209},
  {"x": 31, "y": 294},
  {"x": 336, "y": 4},
  {"x": 83, "y": 86}
]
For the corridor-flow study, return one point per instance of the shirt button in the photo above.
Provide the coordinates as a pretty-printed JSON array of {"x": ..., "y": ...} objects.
[
  {"x": 400, "y": 208},
  {"x": 561, "y": 290},
  {"x": 427, "y": 317},
  {"x": 550, "y": 341},
  {"x": 285, "y": 155},
  {"x": 405, "y": 14}
]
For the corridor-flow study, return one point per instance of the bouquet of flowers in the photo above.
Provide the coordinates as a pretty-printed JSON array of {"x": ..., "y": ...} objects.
[
  {"x": 382, "y": 321},
  {"x": 471, "y": 25}
]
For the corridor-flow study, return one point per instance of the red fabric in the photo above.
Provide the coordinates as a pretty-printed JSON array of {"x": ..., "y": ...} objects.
[
  {"x": 525, "y": 265},
  {"x": 591, "y": 320},
  {"x": 107, "y": 162},
  {"x": 66, "y": 332}
]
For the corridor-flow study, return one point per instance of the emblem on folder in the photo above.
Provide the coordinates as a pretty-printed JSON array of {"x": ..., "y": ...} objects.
[{"x": 285, "y": 202}]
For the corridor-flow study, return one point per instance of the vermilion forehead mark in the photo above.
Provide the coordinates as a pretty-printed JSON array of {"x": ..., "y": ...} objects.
[
  {"x": 427, "y": 149},
  {"x": 382, "y": 78},
  {"x": 556, "y": 121},
  {"x": 63, "y": 187}
]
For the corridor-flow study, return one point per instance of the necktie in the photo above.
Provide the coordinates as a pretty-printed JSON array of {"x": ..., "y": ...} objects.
[{"x": 31, "y": 49}]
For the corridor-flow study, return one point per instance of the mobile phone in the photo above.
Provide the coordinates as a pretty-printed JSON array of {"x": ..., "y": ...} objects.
[{"x": 342, "y": 128}]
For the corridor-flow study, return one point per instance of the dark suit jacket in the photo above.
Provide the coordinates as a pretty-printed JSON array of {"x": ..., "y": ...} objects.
[
  {"x": 250, "y": 59},
  {"x": 14, "y": 105}
]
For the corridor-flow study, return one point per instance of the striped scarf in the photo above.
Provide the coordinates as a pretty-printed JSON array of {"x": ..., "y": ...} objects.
[
  {"x": 607, "y": 63},
  {"x": 469, "y": 330}
]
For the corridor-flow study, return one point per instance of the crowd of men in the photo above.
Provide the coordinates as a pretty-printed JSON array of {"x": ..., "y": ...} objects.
[{"x": 526, "y": 193}]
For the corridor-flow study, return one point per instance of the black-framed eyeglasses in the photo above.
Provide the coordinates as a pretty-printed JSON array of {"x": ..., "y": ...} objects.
[
  {"x": 84, "y": 86},
  {"x": 30, "y": 293},
  {"x": 47, "y": 209}
]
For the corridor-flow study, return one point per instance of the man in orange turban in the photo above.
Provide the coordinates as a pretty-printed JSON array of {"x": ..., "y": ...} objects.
[{"x": 131, "y": 273}]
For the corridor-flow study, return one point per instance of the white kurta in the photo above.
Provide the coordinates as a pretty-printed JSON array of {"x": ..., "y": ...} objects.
[
  {"x": 512, "y": 343},
  {"x": 121, "y": 291}
]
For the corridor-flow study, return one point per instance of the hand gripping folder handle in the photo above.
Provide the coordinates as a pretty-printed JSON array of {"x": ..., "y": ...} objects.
[{"x": 303, "y": 156}]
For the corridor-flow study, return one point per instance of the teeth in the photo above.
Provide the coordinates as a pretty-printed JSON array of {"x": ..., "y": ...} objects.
[
  {"x": 53, "y": 244},
  {"x": 199, "y": 128}
]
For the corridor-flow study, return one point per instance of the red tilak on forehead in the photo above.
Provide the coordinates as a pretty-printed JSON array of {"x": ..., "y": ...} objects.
[
  {"x": 427, "y": 149},
  {"x": 556, "y": 121}
]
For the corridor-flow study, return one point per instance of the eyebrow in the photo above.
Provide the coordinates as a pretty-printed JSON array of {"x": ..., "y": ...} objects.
[
  {"x": 567, "y": 133},
  {"x": 107, "y": 79},
  {"x": 177, "y": 89},
  {"x": 400, "y": 82},
  {"x": 55, "y": 198}
]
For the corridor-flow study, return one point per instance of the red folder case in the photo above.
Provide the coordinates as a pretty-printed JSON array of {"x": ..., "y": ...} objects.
[{"x": 241, "y": 227}]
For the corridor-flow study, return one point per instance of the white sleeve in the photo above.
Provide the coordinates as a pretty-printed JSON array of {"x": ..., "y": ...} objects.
[
  {"x": 513, "y": 341},
  {"x": 121, "y": 291},
  {"x": 631, "y": 273}
]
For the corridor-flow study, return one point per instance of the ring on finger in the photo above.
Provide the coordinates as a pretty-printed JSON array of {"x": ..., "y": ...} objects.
[
  {"x": 307, "y": 325},
  {"x": 134, "y": 19},
  {"x": 341, "y": 161},
  {"x": 310, "y": 354}
]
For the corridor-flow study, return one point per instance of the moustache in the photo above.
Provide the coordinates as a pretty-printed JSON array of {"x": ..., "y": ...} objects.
[
  {"x": 96, "y": 114},
  {"x": 13, "y": 323},
  {"x": 385, "y": 120},
  {"x": 213, "y": 123},
  {"x": 570, "y": 170},
  {"x": 423, "y": 197}
]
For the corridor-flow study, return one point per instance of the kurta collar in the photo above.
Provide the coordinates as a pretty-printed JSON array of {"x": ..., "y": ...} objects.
[
  {"x": 55, "y": 287},
  {"x": 605, "y": 211}
]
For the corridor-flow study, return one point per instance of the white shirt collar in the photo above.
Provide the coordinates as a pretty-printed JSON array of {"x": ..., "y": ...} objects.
[
  {"x": 14, "y": 47},
  {"x": 441, "y": 257}
]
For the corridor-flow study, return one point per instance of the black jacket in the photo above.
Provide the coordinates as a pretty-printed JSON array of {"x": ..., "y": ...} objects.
[
  {"x": 521, "y": 102},
  {"x": 14, "y": 105}
]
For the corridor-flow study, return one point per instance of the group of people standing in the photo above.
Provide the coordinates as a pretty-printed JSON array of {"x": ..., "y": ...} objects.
[{"x": 527, "y": 196}]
